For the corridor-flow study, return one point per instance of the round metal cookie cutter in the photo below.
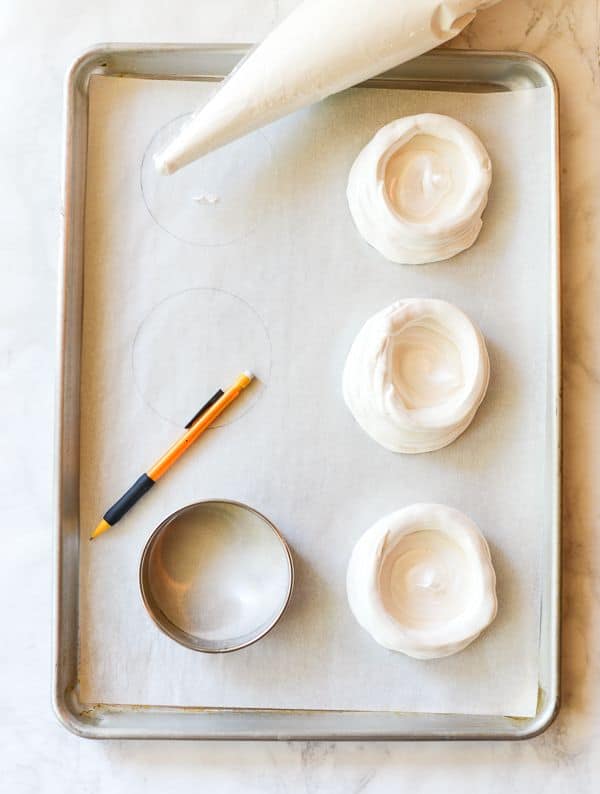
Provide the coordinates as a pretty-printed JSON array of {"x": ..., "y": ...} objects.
[{"x": 216, "y": 576}]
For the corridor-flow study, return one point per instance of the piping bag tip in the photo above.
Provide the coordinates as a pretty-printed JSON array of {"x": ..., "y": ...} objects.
[{"x": 162, "y": 165}]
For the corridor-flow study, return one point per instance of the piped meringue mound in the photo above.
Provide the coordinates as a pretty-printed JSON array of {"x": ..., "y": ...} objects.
[
  {"x": 416, "y": 374},
  {"x": 418, "y": 189},
  {"x": 421, "y": 581}
]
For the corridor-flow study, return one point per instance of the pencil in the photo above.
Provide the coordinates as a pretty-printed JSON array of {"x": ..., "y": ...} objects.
[{"x": 194, "y": 429}]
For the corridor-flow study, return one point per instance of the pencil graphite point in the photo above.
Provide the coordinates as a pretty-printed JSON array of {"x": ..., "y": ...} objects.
[{"x": 102, "y": 527}]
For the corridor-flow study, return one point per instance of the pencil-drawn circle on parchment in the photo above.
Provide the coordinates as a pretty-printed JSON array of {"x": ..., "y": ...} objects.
[
  {"x": 193, "y": 343},
  {"x": 216, "y": 200}
]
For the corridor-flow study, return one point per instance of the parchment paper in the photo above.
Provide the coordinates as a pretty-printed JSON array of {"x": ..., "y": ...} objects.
[{"x": 294, "y": 451}]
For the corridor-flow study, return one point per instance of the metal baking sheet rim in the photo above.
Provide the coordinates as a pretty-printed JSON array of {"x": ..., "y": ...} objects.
[{"x": 469, "y": 69}]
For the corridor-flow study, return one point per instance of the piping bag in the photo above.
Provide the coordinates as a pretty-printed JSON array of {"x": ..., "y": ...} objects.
[{"x": 320, "y": 48}]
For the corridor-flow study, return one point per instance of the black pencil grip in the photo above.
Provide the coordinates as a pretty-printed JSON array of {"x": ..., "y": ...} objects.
[{"x": 141, "y": 486}]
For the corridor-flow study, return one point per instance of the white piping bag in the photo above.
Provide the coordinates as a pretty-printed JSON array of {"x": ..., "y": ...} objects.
[{"x": 322, "y": 47}]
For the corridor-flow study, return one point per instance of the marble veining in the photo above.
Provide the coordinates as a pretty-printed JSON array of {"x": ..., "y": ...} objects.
[{"x": 36, "y": 755}]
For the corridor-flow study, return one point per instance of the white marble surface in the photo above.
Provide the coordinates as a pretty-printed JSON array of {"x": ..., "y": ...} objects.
[{"x": 37, "y": 41}]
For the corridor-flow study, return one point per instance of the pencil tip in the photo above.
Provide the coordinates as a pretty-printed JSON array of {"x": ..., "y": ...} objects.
[{"x": 102, "y": 527}]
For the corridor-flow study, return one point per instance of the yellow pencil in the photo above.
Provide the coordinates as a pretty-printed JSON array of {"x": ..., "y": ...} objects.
[{"x": 203, "y": 419}]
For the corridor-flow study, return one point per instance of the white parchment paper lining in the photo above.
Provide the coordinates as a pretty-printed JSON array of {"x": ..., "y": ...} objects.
[{"x": 296, "y": 454}]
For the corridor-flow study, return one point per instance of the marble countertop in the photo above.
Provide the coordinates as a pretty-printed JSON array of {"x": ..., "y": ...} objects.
[{"x": 37, "y": 42}]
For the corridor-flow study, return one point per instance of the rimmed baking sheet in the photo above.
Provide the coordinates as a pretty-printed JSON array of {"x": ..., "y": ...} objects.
[{"x": 300, "y": 282}]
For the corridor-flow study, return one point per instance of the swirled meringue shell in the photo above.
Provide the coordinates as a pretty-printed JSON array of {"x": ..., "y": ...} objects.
[
  {"x": 421, "y": 581},
  {"x": 449, "y": 152},
  {"x": 419, "y": 399}
]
